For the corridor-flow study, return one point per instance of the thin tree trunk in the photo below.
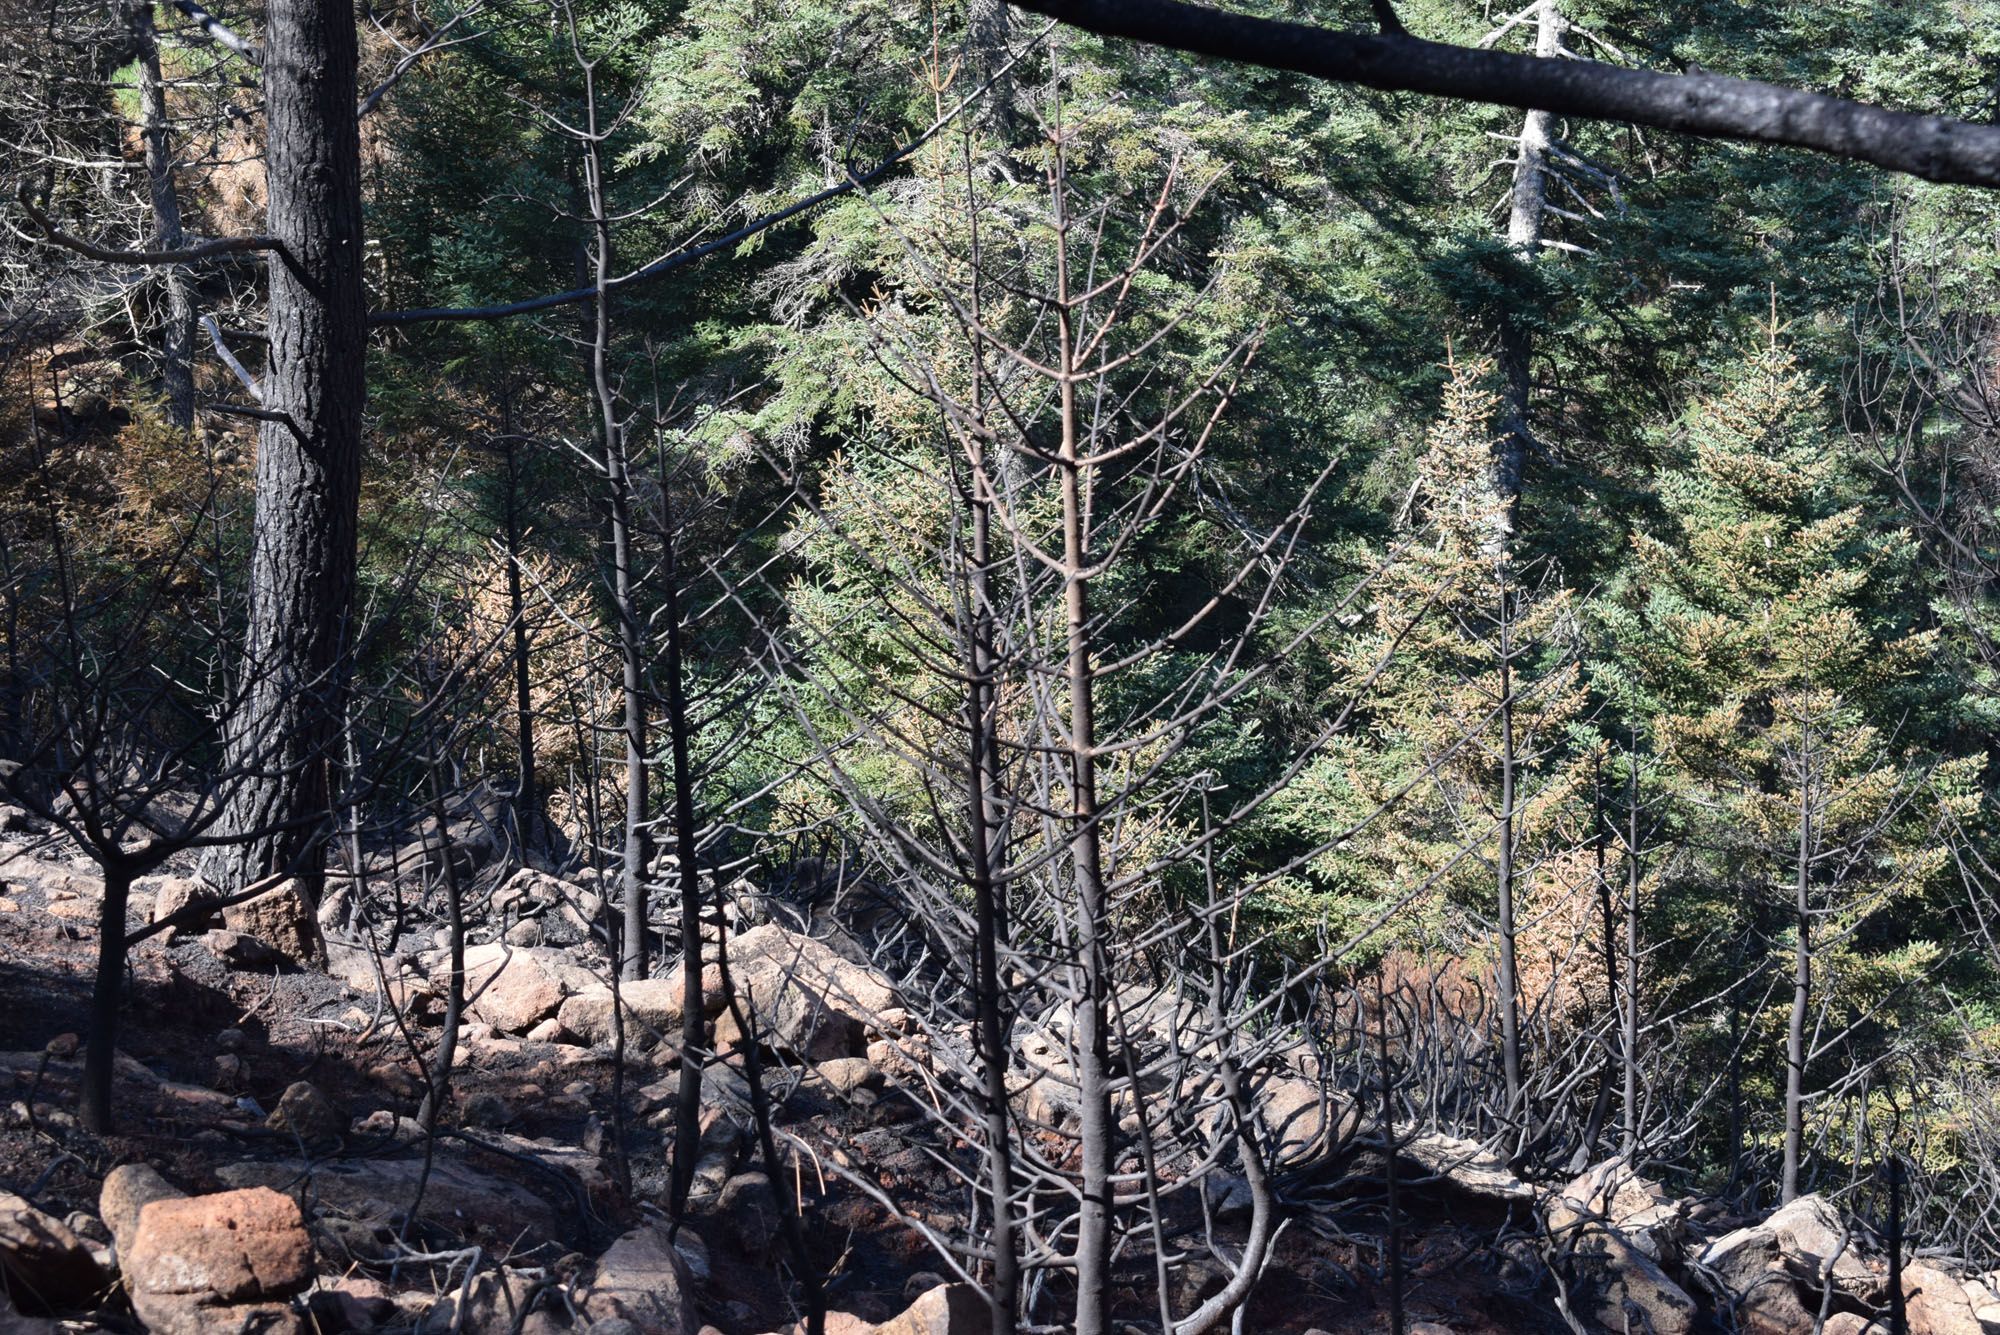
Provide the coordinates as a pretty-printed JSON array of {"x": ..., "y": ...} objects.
[
  {"x": 1795, "y": 1031},
  {"x": 308, "y": 456},
  {"x": 631, "y": 644},
  {"x": 1390, "y": 1188},
  {"x": 528, "y": 817},
  {"x": 1093, "y": 1240},
  {"x": 177, "y": 335},
  {"x": 1510, "y": 1006},
  {"x": 984, "y": 815},
  {"x": 454, "y": 1001},
  {"x": 694, "y": 1033},
  {"x": 1628, "y": 1038},
  {"x": 1527, "y": 205}
]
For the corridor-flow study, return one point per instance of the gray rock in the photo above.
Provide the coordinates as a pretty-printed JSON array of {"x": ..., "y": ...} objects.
[{"x": 641, "y": 1280}]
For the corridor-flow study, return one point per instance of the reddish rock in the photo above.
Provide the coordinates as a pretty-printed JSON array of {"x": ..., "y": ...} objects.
[{"x": 205, "y": 1265}]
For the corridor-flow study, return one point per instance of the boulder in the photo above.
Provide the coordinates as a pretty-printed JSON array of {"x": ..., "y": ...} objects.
[
  {"x": 304, "y": 1112},
  {"x": 1615, "y": 1229},
  {"x": 643, "y": 1280},
  {"x": 1813, "y": 1241},
  {"x": 1304, "y": 1122},
  {"x": 651, "y": 1005},
  {"x": 223, "y": 1263},
  {"x": 1764, "y": 1265},
  {"x": 1623, "y": 1286},
  {"x": 282, "y": 919},
  {"x": 513, "y": 989},
  {"x": 171, "y": 894},
  {"x": 497, "y": 1304},
  {"x": 240, "y": 950},
  {"x": 1466, "y": 1164},
  {"x": 948, "y": 1309},
  {"x": 749, "y": 1209},
  {"x": 456, "y": 1195},
  {"x": 1612, "y": 1194},
  {"x": 846, "y": 1075},
  {"x": 1937, "y": 1303},
  {"x": 44, "y": 1267},
  {"x": 805, "y": 998},
  {"x": 1848, "y": 1323},
  {"x": 128, "y": 1189}
]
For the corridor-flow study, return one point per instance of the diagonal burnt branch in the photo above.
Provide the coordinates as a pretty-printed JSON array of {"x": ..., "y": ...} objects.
[
  {"x": 207, "y": 250},
  {"x": 216, "y": 30},
  {"x": 1932, "y": 147}
]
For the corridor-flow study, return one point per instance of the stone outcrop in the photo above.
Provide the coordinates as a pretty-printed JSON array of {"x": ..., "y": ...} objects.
[
  {"x": 948, "y": 1309},
  {"x": 1617, "y": 1233}
]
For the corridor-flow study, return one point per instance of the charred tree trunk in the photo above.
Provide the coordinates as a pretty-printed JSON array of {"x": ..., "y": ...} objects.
[
  {"x": 1795, "y": 1029},
  {"x": 985, "y": 817},
  {"x": 624, "y": 580},
  {"x": 694, "y": 1030},
  {"x": 308, "y": 455},
  {"x": 528, "y": 816},
  {"x": 1510, "y": 986},
  {"x": 1628, "y": 1037},
  {"x": 106, "y": 993}
]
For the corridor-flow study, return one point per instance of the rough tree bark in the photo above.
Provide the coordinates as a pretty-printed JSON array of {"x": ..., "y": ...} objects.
[{"x": 308, "y": 454}]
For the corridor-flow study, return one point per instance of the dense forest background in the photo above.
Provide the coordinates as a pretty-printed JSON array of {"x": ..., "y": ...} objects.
[{"x": 1525, "y": 587}]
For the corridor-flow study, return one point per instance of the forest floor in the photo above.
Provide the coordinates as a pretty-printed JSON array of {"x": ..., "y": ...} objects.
[{"x": 527, "y": 1168}]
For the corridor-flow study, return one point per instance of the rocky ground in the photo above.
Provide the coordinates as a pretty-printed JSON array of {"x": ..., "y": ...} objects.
[{"x": 268, "y": 1173}]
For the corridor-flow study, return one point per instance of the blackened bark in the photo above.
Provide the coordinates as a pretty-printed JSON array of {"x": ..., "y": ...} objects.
[
  {"x": 624, "y": 580},
  {"x": 1510, "y": 987},
  {"x": 107, "y": 991},
  {"x": 528, "y": 817},
  {"x": 694, "y": 1033},
  {"x": 309, "y": 462}
]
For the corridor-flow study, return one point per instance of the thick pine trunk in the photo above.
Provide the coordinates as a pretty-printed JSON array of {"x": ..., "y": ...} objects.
[{"x": 309, "y": 459}]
